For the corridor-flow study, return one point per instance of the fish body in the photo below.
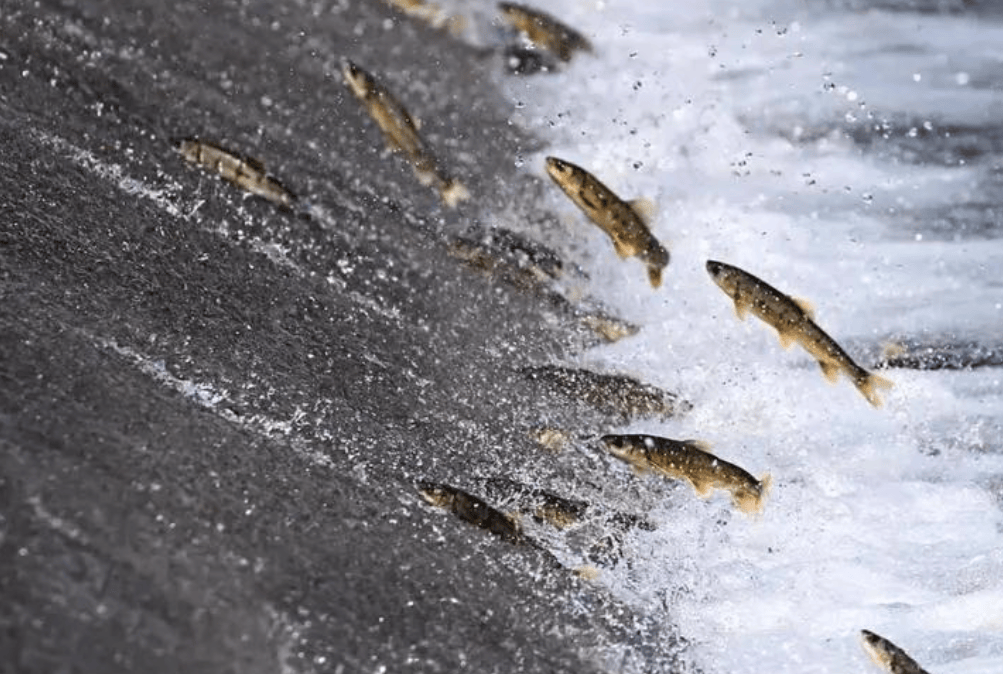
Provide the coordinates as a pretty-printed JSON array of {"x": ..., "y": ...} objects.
[
  {"x": 889, "y": 656},
  {"x": 689, "y": 460},
  {"x": 544, "y": 30},
  {"x": 248, "y": 174},
  {"x": 401, "y": 133},
  {"x": 471, "y": 509},
  {"x": 624, "y": 222},
  {"x": 793, "y": 321}
]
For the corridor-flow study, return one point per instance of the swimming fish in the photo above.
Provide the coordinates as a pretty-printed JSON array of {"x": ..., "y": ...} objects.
[
  {"x": 889, "y": 656},
  {"x": 244, "y": 172},
  {"x": 471, "y": 509},
  {"x": 401, "y": 133},
  {"x": 793, "y": 320},
  {"x": 545, "y": 30},
  {"x": 625, "y": 223},
  {"x": 689, "y": 460}
]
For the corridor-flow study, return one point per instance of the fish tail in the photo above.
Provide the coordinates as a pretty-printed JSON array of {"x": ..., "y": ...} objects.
[
  {"x": 868, "y": 384},
  {"x": 654, "y": 275},
  {"x": 454, "y": 192}
]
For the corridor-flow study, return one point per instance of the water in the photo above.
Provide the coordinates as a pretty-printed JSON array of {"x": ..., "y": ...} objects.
[{"x": 849, "y": 157}]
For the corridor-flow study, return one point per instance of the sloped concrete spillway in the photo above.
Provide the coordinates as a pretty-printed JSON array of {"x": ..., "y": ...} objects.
[{"x": 214, "y": 412}]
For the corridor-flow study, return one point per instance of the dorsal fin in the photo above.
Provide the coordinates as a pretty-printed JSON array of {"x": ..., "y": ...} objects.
[
  {"x": 254, "y": 164},
  {"x": 702, "y": 445},
  {"x": 645, "y": 209},
  {"x": 805, "y": 306}
]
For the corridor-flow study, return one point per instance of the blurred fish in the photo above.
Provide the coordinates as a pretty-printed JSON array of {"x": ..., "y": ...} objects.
[
  {"x": 889, "y": 656},
  {"x": 401, "y": 133},
  {"x": 689, "y": 460},
  {"x": 544, "y": 30},
  {"x": 473, "y": 510},
  {"x": 244, "y": 172},
  {"x": 625, "y": 223},
  {"x": 429, "y": 13},
  {"x": 793, "y": 320}
]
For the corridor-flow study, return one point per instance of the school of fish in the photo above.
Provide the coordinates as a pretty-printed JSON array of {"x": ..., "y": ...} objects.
[{"x": 628, "y": 224}]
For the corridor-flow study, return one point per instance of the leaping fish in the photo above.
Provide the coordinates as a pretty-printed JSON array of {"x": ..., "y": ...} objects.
[
  {"x": 471, "y": 509},
  {"x": 793, "y": 320},
  {"x": 889, "y": 656},
  {"x": 625, "y": 223},
  {"x": 689, "y": 460},
  {"x": 544, "y": 30},
  {"x": 401, "y": 133},
  {"x": 244, "y": 172},
  {"x": 430, "y": 13}
]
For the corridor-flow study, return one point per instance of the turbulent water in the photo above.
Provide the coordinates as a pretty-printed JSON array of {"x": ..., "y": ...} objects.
[{"x": 851, "y": 157}]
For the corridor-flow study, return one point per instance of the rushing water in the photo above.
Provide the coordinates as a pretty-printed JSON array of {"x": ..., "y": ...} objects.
[{"x": 852, "y": 158}]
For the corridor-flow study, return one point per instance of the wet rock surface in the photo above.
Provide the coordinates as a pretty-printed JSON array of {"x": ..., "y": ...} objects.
[{"x": 213, "y": 412}]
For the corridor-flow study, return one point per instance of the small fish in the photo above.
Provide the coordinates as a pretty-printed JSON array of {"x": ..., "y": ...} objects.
[
  {"x": 625, "y": 223},
  {"x": 689, "y": 460},
  {"x": 401, "y": 133},
  {"x": 429, "y": 13},
  {"x": 793, "y": 320},
  {"x": 545, "y": 30},
  {"x": 889, "y": 656},
  {"x": 244, "y": 172},
  {"x": 473, "y": 510}
]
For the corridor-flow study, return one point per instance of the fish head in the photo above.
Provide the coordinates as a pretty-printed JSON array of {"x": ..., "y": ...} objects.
[
  {"x": 724, "y": 276},
  {"x": 877, "y": 647},
  {"x": 356, "y": 78},
  {"x": 627, "y": 447},
  {"x": 435, "y": 494},
  {"x": 188, "y": 148},
  {"x": 563, "y": 173}
]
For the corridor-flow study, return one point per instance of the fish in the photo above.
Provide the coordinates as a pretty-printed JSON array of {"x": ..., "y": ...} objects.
[
  {"x": 889, "y": 656},
  {"x": 471, "y": 509},
  {"x": 430, "y": 13},
  {"x": 689, "y": 460},
  {"x": 401, "y": 133},
  {"x": 544, "y": 30},
  {"x": 793, "y": 319},
  {"x": 244, "y": 172},
  {"x": 626, "y": 223}
]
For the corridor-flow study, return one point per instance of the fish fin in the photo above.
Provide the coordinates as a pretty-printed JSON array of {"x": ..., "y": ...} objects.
[
  {"x": 655, "y": 275},
  {"x": 425, "y": 177},
  {"x": 254, "y": 164},
  {"x": 703, "y": 488},
  {"x": 830, "y": 370},
  {"x": 587, "y": 572},
  {"x": 765, "y": 485},
  {"x": 741, "y": 309},
  {"x": 787, "y": 339},
  {"x": 702, "y": 445},
  {"x": 454, "y": 192},
  {"x": 645, "y": 209},
  {"x": 805, "y": 306},
  {"x": 638, "y": 469},
  {"x": 892, "y": 350},
  {"x": 868, "y": 386},
  {"x": 622, "y": 249}
]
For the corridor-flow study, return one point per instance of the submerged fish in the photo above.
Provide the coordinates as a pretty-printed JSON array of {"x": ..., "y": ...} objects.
[
  {"x": 401, "y": 133},
  {"x": 793, "y": 321},
  {"x": 689, "y": 460},
  {"x": 244, "y": 172},
  {"x": 889, "y": 656},
  {"x": 544, "y": 30},
  {"x": 625, "y": 223},
  {"x": 473, "y": 510}
]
